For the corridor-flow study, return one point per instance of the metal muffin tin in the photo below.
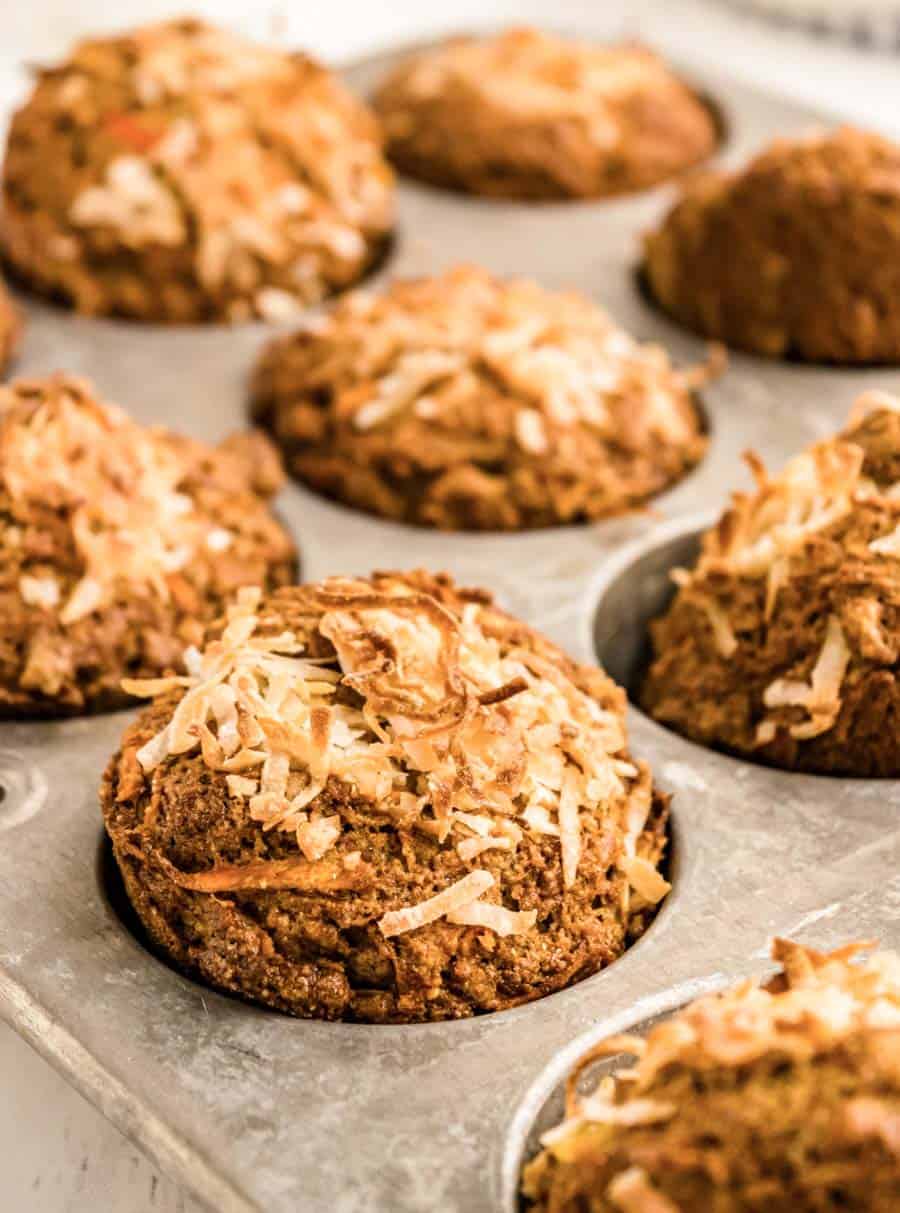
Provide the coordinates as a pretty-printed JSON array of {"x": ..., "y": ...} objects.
[{"x": 251, "y": 1110}]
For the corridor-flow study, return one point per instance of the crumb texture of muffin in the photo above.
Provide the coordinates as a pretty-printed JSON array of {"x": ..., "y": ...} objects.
[
  {"x": 385, "y": 800},
  {"x": 783, "y": 1098},
  {"x": 117, "y": 543},
  {"x": 531, "y": 116},
  {"x": 179, "y": 173},
  {"x": 783, "y": 642},
  {"x": 468, "y": 403},
  {"x": 10, "y": 328},
  {"x": 797, "y": 255}
]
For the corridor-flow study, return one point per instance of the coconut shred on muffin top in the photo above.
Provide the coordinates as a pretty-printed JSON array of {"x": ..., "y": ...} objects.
[
  {"x": 385, "y": 800},
  {"x": 179, "y": 173}
]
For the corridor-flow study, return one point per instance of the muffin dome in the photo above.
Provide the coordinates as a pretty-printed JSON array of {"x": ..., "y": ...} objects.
[
  {"x": 532, "y": 116},
  {"x": 179, "y": 173},
  {"x": 783, "y": 643},
  {"x": 780, "y": 1099},
  {"x": 116, "y": 543},
  {"x": 385, "y": 800},
  {"x": 798, "y": 255},
  {"x": 465, "y": 403}
]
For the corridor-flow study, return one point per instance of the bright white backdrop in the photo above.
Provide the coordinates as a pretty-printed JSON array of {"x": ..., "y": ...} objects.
[{"x": 56, "y": 1154}]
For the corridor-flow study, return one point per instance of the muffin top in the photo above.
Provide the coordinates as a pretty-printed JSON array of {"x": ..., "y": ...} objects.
[
  {"x": 116, "y": 542},
  {"x": 181, "y": 173},
  {"x": 797, "y": 254},
  {"x": 397, "y": 758},
  {"x": 784, "y": 1097},
  {"x": 465, "y": 402},
  {"x": 787, "y": 631},
  {"x": 529, "y": 115}
]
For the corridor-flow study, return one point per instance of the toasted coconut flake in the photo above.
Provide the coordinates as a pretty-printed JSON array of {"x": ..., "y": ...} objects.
[
  {"x": 821, "y": 696},
  {"x": 530, "y": 432},
  {"x": 645, "y": 879},
  {"x": 723, "y": 634},
  {"x": 87, "y": 596},
  {"x": 632, "y": 1192},
  {"x": 460, "y": 893},
  {"x": 496, "y": 918},
  {"x": 569, "y": 827},
  {"x": 887, "y": 545},
  {"x": 155, "y": 751},
  {"x": 241, "y": 786},
  {"x": 638, "y": 1111},
  {"x": 470, "y": 848},
  {"x": 314, "y": 838},
  {"x": 872, "y": 402},
  {"x": 39, "y": 591},
  {"x": 870, "y": 1117}
]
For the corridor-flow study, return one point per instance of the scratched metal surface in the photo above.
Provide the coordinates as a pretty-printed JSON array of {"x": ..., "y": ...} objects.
[{"x": 253, "y": 1111}]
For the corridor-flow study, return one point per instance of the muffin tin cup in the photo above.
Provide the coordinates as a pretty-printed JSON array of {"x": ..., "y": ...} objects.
[{"x": 251, "y": 1110}]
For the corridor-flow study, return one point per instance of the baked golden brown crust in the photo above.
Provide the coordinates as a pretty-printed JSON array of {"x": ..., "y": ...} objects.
[
  {"x": 385, "y": 800},
  {"x": 117, "y": 543},
  {"x": 781, "y": 1099},
  {"x": 784, "y": 642},
  {"x": 10, "y": 328},
  {"x": 178, "y": 173},
  {"x": 529, "y": 115},
  {"x": 467, "y": 403},
  {"x": 797, "y": 255}
]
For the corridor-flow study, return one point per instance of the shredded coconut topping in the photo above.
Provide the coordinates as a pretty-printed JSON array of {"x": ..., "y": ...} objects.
[
  {"x": 422, "y": 712},
  {"x": 558, "y": 352},
  {"x": 118, "y": 485},
  {"x": 758, "y": 535},
  {"x": 819, "y": 1001}
]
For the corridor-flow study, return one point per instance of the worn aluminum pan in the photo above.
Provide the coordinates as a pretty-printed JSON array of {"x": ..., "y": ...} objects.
[{"x": 251, "y": 1110}]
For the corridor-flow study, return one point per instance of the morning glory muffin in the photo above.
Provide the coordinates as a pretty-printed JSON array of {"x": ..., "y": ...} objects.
[
  {"x": 529, "y": 115},
  {"x": 384, "y": 800},
  {"x": 179, "y": 173},
  {"x": 469, "y": 403},
  {"x": 117, "y": 544},
  {"x": 797, "y": 255},
  {"x": 783, "y": 642},
  {"x": 783, "y": 1098}
]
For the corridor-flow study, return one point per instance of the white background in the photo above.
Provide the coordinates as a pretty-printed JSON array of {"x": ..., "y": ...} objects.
[{"x": 56, "y": 1154}]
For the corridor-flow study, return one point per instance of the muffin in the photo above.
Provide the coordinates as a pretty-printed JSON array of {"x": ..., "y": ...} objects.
[
  {"x": 467, "y": 403},
  {"x": 797, "y": 255},
  {"x": 179, "y": 174},
  {"x": 10, "y": 328},
  {"x": 779, "y": 1099},
  {"x": 532, "y": 116},
  {"x": 384, "y": 800},
  {"x": 117, "y": 543},
  {"x": 783, "y": 642}
]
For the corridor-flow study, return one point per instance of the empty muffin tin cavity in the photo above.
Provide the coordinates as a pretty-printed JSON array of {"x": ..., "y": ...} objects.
[{"x": 637, "y": 588}]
